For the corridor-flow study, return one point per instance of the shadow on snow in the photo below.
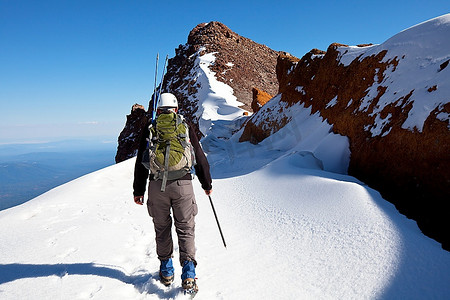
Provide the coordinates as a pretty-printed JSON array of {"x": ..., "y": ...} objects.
[{"x": 144, "y": 283}]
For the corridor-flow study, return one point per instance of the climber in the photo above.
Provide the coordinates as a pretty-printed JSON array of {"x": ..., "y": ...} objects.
[{"x": 166, "y": 192}]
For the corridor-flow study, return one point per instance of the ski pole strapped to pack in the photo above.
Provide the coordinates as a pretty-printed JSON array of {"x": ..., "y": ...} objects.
[
  {"x": 169, "y": 154},
  {"x": 157, "y": 91}
]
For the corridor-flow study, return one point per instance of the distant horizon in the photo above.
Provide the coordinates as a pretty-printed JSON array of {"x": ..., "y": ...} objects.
[
  {"x": 43, "y": 133},
  {"x": 13, "y": 149},
  {"x": 45, "y": 140}
]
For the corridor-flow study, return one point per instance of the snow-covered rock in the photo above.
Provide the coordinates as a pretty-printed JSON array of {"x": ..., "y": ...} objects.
[
  {"x": 393, "y": 103},
  {"x": 213, "y": 55}
]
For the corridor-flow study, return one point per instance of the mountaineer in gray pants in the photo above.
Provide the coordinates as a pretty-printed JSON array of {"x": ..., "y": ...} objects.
[{"x": 178, "y": 197}]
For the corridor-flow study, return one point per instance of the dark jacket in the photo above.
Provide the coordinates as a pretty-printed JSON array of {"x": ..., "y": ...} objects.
[{"x": 141, "y": 174}]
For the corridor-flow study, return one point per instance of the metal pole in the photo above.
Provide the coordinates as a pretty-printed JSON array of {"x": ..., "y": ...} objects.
[
  {"x": 217, "y": 220},
  {"x": 158, "y": 91},
  {"x": 162, "y": 76},
  {"x": 155, "y": 97}
]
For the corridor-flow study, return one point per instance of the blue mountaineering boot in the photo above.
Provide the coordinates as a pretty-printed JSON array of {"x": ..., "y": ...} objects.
[
  {"x": 166, "y": 272},
  {"x": 188, "y": 278}
]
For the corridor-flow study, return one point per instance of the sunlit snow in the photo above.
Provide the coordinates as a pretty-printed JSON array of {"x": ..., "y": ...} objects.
[{"x": 296, "y": 226}]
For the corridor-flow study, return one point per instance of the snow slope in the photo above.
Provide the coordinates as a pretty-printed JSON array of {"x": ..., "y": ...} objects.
[
  {"x": 214, "y": 100},
  {"x": 296, "y": 226},
  {"x": 292, "y": 233}
]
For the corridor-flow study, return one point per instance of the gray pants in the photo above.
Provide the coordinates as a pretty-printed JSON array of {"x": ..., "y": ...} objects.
[{"x": 179, "y": 196}]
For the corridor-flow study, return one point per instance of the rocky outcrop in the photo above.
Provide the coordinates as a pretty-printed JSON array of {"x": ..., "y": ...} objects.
[
  {"x": 239, "y": 62},
  {"x": 129, "y": 137},
  {"x": 384, "y": 99},
  {"x": 260, "y": 98}
]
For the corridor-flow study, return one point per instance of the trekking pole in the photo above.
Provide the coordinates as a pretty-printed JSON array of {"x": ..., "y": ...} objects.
[
  {"x": 157, "y": 92},
  {"x": 163, "y": 73},
  {"x": 217, "y": 220},
  {"x": 154, "y": 90}
]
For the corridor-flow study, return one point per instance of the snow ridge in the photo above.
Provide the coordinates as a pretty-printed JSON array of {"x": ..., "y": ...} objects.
[
  {"x": 216, "y": 99},
  {"x": 418, "y": 77}
]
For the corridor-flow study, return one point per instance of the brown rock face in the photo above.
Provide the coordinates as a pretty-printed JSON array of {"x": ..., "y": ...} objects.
[
  {"x": 259, "y": 99},
  {"x": 129, "y": 137},
  {"x": 239, "y": 62},
  {"x": 410, "y": 168}
]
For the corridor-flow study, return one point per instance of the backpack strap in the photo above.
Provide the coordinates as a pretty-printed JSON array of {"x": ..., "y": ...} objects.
[
  {"x": 150, "y": 136},
  {"x": 166, "y": 167},
  {"x": 180, "y": 119},
  {"x": 182, "y": 137},
  {"x": 145, "y": 160},
  {"x": 166, "y": 158}
]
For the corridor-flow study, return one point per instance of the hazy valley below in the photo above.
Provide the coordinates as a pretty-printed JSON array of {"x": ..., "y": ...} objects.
[{"x": 28, "y": 170}]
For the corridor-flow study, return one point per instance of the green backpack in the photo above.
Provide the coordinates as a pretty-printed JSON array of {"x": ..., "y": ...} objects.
[{"x": 169, "y": 154}]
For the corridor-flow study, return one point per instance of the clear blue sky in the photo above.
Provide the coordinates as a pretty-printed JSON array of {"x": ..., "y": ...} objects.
[{"x": 75, "y": 68}]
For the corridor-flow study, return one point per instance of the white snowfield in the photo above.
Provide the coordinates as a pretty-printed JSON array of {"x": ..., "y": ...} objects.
[
  {"x": 291, "y": 233},
  {"x": 296, "y": 226}
]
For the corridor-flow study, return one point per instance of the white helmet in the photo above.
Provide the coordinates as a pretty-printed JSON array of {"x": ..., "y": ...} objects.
[{"x": 167, "y": 100}]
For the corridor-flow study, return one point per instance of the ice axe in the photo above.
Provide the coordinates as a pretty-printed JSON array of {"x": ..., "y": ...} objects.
[{"x": 217, "y": 220}]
